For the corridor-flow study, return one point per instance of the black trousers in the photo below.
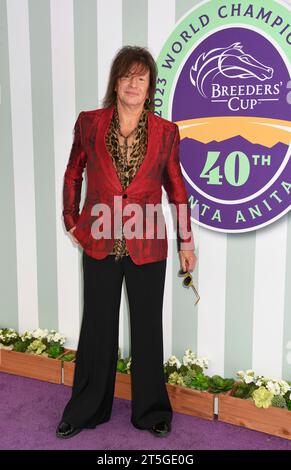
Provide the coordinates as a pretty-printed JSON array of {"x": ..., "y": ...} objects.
[{"x": 96, "y": 358}]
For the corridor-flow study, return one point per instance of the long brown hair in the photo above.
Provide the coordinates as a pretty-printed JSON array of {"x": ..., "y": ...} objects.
[{"x": 121, "y": 64}]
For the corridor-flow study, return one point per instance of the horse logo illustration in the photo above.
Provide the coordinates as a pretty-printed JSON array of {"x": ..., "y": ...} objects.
[{"x": 231, "y": 62}]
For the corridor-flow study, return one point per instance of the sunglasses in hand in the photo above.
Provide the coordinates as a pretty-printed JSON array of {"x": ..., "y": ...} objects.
[{"x": 188, "y": 282}]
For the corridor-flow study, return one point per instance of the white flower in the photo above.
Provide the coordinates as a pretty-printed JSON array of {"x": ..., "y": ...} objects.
[
  {"x": 248, "y": 376},
  {"x": 8, "y": 335},
  {"x": 39, "y": 333},
  {"x": 62, "y": 339},
  {"x": 189, "y": 357},
  {"x": 260, "y": 378},
  {"x": 284, "y": 386},
  {"x": 188, "y": 352},
  {"x": 26, "y": 335},
  {"x": 174, "y": 361},
  {"x": 273, "y": 387},
  {"x": 128, "y": 363},
  {"x": 55, "y": 337},
  {"x": 248, "y": 379},
  {"x": 201, "y": 362}
]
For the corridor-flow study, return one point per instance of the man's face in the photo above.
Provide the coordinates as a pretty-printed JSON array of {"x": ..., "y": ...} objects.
[{"x": 132, "y": 88}]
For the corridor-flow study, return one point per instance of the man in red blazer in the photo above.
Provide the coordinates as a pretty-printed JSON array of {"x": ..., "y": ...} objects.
[
  {"x": 129, "y": 89},
  {"x": 161, "y": 166}
]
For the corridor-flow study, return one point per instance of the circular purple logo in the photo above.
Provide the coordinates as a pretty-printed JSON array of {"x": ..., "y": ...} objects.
[{"x": 230, "y": 103}]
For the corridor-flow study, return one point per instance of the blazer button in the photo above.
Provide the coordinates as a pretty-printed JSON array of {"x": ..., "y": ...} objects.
[{"x": 124, "y": 196}]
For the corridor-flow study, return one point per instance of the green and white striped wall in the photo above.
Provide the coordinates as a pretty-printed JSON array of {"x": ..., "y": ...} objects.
[{"x": 55, "y": 57}]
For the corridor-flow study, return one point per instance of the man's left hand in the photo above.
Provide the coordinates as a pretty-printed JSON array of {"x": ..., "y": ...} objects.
[{"x": 188, "y": 260}]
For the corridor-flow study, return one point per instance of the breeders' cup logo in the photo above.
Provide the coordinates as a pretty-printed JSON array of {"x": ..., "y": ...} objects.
[
  {"x": 229, "y": 62},
  {"x": 229, "y": 99}
]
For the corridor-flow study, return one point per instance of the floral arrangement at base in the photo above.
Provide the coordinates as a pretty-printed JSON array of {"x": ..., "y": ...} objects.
[
  {"x": 8, "y": 336},
  {"x": 39, "y": 342},
  {"x": 190, "y": 373},
  {"x": 263, "y": 391}
]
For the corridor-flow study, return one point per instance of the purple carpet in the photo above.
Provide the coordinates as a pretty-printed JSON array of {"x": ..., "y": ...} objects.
[{"x": 31, "y": 410}]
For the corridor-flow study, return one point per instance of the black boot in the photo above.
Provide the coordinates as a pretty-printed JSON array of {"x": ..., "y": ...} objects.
[
  {"x": 161, "y": 429},
  {"x": 66, "y": 430}
]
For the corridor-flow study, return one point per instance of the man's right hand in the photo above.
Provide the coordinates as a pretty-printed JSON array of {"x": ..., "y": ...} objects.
[{"x": 71, "y": 232}]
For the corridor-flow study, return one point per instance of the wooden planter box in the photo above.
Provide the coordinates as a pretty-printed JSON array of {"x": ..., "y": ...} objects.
[
  {"x": 183, "y": 400},
  {"x": 122, "y": 382},
  {"x": 191, "y": 402},
  {"x": 123, "y": 386},
  {"x": 275, "y": 421},
  {"x": 31, "y": 365},
  {"x": 68, "y": 369}
]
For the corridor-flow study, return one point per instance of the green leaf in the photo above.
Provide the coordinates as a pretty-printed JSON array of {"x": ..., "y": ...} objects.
[
  {"x": 20, "y": 346},
  {"x": 68, "y": 357},
  {"x": 54, "y": 350}
]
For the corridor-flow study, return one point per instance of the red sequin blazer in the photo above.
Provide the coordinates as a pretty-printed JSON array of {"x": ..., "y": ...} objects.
[{"x": 160, "y": 167}]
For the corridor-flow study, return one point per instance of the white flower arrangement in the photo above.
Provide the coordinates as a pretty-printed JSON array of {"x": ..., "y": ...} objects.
[
  {"x": 39, "y": 333},
  {"x": 37, "y": 341},
  {"x": 49, "y": 336},
  {"x": 189, "y": 359},
  {"x": 7, "y": 337},
  {"x": 191, "y": 374},
  {"x": 8, "y": 334},
  {"x": 277, "y": 387},
  {"x": 56, "y": 337},
  {"x": 266, "y": 391}
]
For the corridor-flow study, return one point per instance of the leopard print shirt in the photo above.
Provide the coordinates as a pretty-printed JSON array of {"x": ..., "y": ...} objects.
[{"x": 135, "y": 158}]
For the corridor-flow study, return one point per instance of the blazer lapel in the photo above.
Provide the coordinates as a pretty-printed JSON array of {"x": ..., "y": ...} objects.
[{"x": 101, "y": 148}]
